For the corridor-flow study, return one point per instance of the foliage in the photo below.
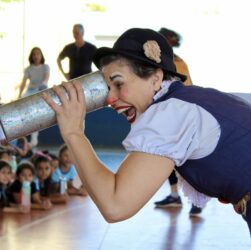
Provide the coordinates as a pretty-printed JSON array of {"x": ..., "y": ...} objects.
[
  {"x": 94, "y": 7},
  {"x": 1, "y": 35},
  {"x": 10, "y": 1}
]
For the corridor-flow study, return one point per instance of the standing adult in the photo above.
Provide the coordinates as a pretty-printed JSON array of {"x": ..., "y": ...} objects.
[
  {"x": 37, "y": 74},
  {"x": 80, "y": 54}
]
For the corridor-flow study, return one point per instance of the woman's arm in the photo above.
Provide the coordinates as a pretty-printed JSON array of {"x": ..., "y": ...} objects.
[
  {"x": 46, "y": 75},
  {"x": 60, "y": 66},
  {"x": 121, "y": 195},
  {"x": 25, "y": 148},
  {"x": 22, "y": 86},
  {"x": 118, "y": 196}
]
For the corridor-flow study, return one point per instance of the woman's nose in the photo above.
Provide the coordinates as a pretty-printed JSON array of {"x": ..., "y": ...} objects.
[{"x": 111, "y": 99}]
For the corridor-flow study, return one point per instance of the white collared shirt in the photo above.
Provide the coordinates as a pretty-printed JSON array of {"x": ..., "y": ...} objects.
[{"x": 178, "y": 130}]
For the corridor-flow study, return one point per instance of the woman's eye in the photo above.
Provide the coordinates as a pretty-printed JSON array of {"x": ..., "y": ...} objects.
[{"x": 118, "y": 85}]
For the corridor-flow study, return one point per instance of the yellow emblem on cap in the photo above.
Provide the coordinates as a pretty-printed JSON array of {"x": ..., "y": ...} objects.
[{"x": 152, "y": 50}]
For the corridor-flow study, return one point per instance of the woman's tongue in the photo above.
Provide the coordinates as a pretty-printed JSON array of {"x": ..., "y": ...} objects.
[
  {"x": 131, "y": 114},
  {"x": 130, "y": 111}
]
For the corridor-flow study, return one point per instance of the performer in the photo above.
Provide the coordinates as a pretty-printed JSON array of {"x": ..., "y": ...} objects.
[{"x": 205, "y": 133}]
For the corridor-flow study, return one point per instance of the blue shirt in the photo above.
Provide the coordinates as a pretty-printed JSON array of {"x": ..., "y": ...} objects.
[{"x": 68, "y": 176}]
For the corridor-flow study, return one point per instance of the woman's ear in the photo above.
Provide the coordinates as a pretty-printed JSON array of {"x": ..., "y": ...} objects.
[{"x": 158, "y": 79}]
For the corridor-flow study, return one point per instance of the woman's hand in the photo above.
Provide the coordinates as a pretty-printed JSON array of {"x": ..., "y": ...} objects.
[
  {"x": 71, "y": 113},
  {"x": 67, "y": 76}
]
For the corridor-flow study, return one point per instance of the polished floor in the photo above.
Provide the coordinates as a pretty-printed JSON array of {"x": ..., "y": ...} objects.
[{"x": 79, "y": 226}]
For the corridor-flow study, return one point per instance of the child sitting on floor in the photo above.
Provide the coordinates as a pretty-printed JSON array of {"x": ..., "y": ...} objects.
[
  {"x": 53, "y": 160},
  {"x": 66, "y": 172},
  {"x": 7, "y": 154},
  {"x": 43, "y": 180},
  {"x": 25, "y": 172},
  {"x": 5, "y": 179}
]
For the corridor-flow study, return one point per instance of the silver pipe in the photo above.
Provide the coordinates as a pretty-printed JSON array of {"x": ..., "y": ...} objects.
[{"x": 32, "y": 113}]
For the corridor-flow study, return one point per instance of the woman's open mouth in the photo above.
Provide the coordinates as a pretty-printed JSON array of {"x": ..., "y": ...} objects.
[{"x": 128, "y": 111}]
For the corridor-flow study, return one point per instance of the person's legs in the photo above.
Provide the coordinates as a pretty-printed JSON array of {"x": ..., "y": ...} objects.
[
  {"x": 247, "y": 217},
  {"x": 172, "y": 200},
  {"x": 34, "y": 139},
  {"x": 34, "y": 135},
  {"x": 195, "y": 211},
  {"x": 173, "y": 182}
]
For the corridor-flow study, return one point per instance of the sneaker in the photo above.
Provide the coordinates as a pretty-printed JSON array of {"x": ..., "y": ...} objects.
[
  {"x": 169, "y": 201},
  {"x": 195, "y": 211}
]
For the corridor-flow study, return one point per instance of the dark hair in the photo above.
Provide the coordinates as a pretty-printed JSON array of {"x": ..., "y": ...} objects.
[
  {"x": 53, "y": 157},
  {"x": 142, "y": 70},
  {"x": 63, "y": 148},
  {"x": 50, "y": 155},
  {"x": 80, "y": 26},
  {"x": 171, "y": 35},
  {"x": 31, "y": 53},
  {"x": 4, "y": 164},
  {"x": 40, "y": 159},
  {"x": 4, "y": 150},
  {"x": 25, "y": 165}
]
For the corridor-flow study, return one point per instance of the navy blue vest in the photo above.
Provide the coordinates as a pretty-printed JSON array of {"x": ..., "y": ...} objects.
[{"x": 226, "y": 172}]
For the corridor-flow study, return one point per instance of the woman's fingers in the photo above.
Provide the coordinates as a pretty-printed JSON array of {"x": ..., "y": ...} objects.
[
  {"x": 60, "y": 91},
  {"x": 75, "y": 91},
  {"x": 80, "y": 92},
  {"x": 71, "y": 91},
  {"x": 51, "y": 102},
  {"x": 75, "y": 96}
]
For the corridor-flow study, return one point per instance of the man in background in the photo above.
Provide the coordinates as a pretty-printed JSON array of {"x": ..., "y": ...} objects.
[{"x": 80, "y": 54}]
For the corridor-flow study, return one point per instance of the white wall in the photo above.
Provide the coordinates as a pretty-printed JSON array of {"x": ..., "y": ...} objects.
[{"x": 216, "y": 35}]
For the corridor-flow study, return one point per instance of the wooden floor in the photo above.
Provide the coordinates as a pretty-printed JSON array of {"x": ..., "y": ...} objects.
[{"x": 79, "y": 226}]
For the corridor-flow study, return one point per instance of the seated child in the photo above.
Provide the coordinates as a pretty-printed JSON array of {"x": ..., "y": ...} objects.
[
  {"x": 66, "y": 170},
  {"x": 23, "y": 149},
  {"x": 5, "y": 179},
  {"x": 25, "y": 172},
  {"x": 43, "y": 180},
  {"x": 53, "y": 160},
  {"x": 7, "y": 154}
]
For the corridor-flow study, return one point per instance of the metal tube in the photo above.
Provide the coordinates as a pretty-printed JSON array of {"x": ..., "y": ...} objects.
[{"x": 32, "y": 113}]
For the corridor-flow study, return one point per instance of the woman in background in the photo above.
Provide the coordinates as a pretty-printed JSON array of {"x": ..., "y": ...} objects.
[{"x": 37, "y": 74}]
